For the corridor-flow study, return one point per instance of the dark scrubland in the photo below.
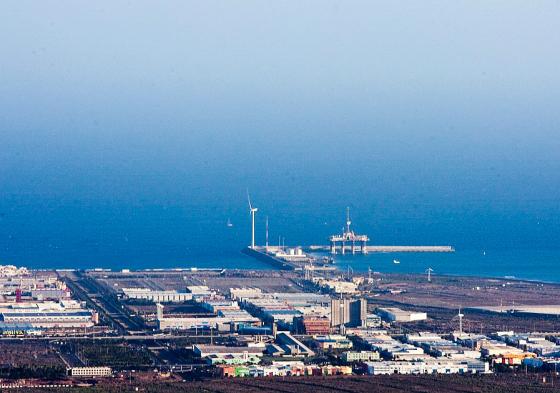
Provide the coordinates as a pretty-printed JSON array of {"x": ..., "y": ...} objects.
[
  {"x": 445, "y": 295},
  {"x": 510, "y": 383}
]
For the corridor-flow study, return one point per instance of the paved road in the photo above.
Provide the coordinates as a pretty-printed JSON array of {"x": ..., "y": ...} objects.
[
  {"x": 155, "y": 337},
  {"x": 93, "y": 293}
]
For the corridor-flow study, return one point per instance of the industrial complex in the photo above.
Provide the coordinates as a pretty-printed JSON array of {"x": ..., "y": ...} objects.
[
  {"x": 39, "y": 303},
  {"x": 303, "y": 319},
  {"x": 247, "y": 324}
]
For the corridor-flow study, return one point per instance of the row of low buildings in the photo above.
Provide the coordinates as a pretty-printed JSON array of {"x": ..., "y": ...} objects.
[
  {"x": 359, "y": 356},
  {"x": 7, "y": 271},
  {"x": 231, "y": 355},
  {"x": 230, "y": 320},
  {"x": 250, "y": 310},
  {"x": 513, "y": 349},
  {"x": 196, "y": 292},
  {"x": 429, "y": 366},
  {"x": 157, "y": 296},
  {"x": 246, "y": 308},
  {"x": 325, "y": 321},
  {"x": 332, "y": 342},
  {"x": 303, "y": 313},
  {"x": 503, "y": 348},
  {"x": 283, "y": 344},
  {"x": 390, "y": 348},
  {"x": 405, "y": 357},
  {"x": 439, "y": 347},
  {"x": 283, "y": 369},
  {"x": 421, "y": 353},
  {"x": 32, "y": 303},
  {"x": 18, "y": 284},
  {"x": 272, "y": 311},
  {"x": 291, "y": 311},
  {"x": 541, "y": 344},
  {"x": 250, "y": 307},
  {"x": 337, "y": 287},
  {"x": 337, "y": 324},
  {"x": 465, "y": 352},
  {"x": 45, "y": 315}
]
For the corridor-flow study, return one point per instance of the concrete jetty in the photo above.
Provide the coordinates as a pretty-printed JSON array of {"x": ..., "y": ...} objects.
[{"x": 391, "y": 248}]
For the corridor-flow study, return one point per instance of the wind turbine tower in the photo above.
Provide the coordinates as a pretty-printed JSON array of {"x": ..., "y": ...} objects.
[
  {"x": 252, "y": 210},
  {"x": 429, "y": 271}
]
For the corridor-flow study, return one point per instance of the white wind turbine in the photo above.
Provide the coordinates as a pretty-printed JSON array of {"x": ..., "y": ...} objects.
[
  {"x": 429, "y": 271},
  {"x": 252, "y": 210}
]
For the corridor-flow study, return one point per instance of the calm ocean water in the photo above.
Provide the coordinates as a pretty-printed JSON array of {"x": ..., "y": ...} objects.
[
  {"x": 108, "y": 161},
  {"x": 542, "y": 265},
  {"x": 76, "y": 236}
]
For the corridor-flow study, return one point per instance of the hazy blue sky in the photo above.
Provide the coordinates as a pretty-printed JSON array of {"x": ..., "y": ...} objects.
[{"x": 436, "y": 120}]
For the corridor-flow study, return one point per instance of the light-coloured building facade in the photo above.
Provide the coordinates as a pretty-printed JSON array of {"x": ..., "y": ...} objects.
[
  {"x": 359, "y": 356},
  {"x": 90, "y": 371},
  {"x": 393, "y": 314},
  {"x": 157, "y": 296},
  {"x": 429, "y": 367}
]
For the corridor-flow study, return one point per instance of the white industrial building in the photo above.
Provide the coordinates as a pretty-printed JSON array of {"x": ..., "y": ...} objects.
[
  {"x": 302, "y": 299},
  {"x": 359, "y": 356},
  {"x": 434, "y": 366},
  {"x": 332, "y": 341},
  {"x": 90, "y": 371},
  {"x": 244, "y": 293},
  {"x": 220, "y": 305},
  {"x": 64, "y": 314},
  {"x": 539, "y": 343},
  {"x": 393, "y": 314},
  {"x": 337, "y": 286},
  {"x": 157, "y": 296},
  {"x": 437, "y": 346},
  {"x": 11, "y": 271},
  {"x": 227, "y": 320},
  {"x": 219, "y": 354},
  {"x": 40, "y": 286},
  {"x": 199, "y": 291},
  {"x": 392, "y": 348}
]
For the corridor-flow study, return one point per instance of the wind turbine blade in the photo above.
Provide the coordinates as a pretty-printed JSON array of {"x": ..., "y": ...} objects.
[{"x": 249, "y": 199}]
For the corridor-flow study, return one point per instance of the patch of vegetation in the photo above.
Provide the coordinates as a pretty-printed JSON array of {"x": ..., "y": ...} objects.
[
  {"x": 38, "y": 372},
  {"x": 117, "y": 356}
]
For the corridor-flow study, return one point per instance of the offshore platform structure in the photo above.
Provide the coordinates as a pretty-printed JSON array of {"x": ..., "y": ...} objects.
[{"x": 348, "y": 239}]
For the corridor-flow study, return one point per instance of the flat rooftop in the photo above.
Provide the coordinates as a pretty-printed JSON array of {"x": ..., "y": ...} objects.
[{"x": 541, "y": 309}]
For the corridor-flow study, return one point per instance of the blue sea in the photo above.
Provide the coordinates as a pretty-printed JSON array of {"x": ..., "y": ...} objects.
[
  {"x": 165, "y": 203},
  {"x": 131, "y": 146},
  {"x": 541, "y": 265},
  {"x": 77, "y": 235}
]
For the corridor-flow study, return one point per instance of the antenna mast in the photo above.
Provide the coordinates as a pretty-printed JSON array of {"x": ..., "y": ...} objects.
[
  {"x": 267, "y": 233},
  {"x": 348, "y": 222},
  {"x": 460, "y": 322}
]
